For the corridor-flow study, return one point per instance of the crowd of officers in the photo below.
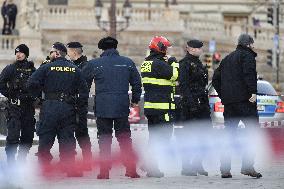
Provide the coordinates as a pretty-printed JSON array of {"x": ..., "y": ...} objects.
[{"x": 61, "y": 88}]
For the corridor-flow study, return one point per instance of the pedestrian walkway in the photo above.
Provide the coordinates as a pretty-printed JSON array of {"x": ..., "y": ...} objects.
[{"x": 271, "y": 169}]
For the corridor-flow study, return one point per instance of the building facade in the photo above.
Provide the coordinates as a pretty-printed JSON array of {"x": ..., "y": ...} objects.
[{"x": 42, "y": 22}]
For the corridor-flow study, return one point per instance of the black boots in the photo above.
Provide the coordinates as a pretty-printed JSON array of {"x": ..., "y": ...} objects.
[
  {"x": 251, "y": 172},
  {"x": 226, "y": 174},
  {"x": 131, "y": 172},
  {"x": 194, "y": 170},
  {"x": 155, "y": 173}
]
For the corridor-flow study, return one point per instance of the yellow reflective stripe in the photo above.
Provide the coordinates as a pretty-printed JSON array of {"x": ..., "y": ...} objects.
[
  {"x": 175, "y": 74},
  {"x": 159, "y": 106},
  {"x": 155, "y": 81},
  {"x": 167, "y": 117},
  {"x": 175, "y": 65}
]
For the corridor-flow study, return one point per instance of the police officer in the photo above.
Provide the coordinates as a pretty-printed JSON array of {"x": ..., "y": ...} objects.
[
  {"x": 62, "y": 82},
  {"x": 158, "y": 78},
  {"x": 235, "y": 81},
  {"x": 20, "y": 120},
  {"x": 193, "y": 78},
  {"x": 74, "y": 51},
  {"x": 112, "y": 75}
]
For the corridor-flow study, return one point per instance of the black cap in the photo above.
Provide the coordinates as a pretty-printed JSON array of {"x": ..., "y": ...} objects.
[
  {"x": 107, "y": 43},
  {"x": 74, "y": 45},
  {"x": 23, "y": 49},
  {"x": 245, "y": 40},
  {"x": 195, "y": 43},
  {"x": 59, "y": 46}
]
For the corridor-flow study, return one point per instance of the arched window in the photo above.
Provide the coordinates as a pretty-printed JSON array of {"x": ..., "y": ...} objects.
[{"x": 58, "y": 2}]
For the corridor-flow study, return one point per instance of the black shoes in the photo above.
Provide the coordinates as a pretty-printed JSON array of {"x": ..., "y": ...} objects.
[
  {"x": 194, "y": 171},
  {"x": 188, "y": 173},
  {"x": 156, "y": 174},
  {"x": 103, "y": 175},
  {"x": 132, "y": 174},
  {"x": 226, "y": 175},
  {"x": 248, "y": 172},
  {"x": 251, "y": 173},
  {"x": 202, "y": 172}
]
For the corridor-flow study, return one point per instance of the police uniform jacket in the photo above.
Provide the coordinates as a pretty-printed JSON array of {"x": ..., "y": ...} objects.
[
  {"x": 81, "y": 62},
  {"x": 112, "y": 75},
  {"x": 193, "y": 78},
  {"x": 60, "y": 77},
  {"x": 13, "y": 80}
]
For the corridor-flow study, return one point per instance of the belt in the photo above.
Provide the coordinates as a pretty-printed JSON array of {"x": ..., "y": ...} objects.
[{"x": 60, "y": 97}]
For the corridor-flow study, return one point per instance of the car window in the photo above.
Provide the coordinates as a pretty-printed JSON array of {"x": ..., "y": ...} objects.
[{"x": 265, "y": 89}]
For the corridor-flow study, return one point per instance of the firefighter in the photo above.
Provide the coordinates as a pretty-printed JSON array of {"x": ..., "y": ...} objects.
[{"x": 158, "y": 78}]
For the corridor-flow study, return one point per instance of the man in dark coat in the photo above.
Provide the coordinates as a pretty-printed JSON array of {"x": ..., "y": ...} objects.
[
  {"x": 235, "y": 81},
  {"x": 61, "y": 82},
  {"x": 11, "y": 11},
  {"x": 4, "y": 13},
  {"x": 21, "y": 121},
  {"x": 74, "y": 51},
  {"x": 193, "y": 78},
  {"x": 112, "y": 75}
]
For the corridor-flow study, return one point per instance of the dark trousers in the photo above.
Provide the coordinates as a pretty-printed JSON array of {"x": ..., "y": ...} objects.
[
  {"x": 82, "y": 134},
  {"x": 160, "y": 129},
  {"x": 21, "y": 127},
  {"x": 12, "y": 22},
  {"x": 123, "y": 135},
  {"x": 57, "y": 119},
  {"x": 233, "y": 113},
  {"x": 193, "y": 136}
]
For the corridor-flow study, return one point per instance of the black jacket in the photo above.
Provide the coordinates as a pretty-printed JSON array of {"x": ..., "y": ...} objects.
[
  {"x": 59, "y": 76},
  {"x": 81, "y": 62},
  {"x": 11, "y": 10},
  {"x": 193, "y": 78},
  {"x": 235, "y": 80},
  {"x": 112, "y": 75},
  {"x": 155, "y": 67},
  {"x": 4, "y": 9},
  {"x": 13, "y": 79}
]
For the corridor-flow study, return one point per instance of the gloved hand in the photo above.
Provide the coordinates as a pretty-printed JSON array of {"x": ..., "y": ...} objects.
[
  {"x": 172, "y": 59},
  {"x": 253, "y": 98}
]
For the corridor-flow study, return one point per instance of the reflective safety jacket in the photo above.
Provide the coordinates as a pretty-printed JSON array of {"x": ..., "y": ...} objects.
[{"x": 158, "y": 78}]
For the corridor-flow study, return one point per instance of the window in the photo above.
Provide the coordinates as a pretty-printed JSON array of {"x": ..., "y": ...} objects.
[{"x": 58, "y": 2}]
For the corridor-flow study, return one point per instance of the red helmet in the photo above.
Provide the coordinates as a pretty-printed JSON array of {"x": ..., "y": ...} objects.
[{"x": 160, "y": 44}]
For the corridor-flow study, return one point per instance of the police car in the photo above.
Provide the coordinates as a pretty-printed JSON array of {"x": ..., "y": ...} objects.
[{"x": 270, "y": 106}]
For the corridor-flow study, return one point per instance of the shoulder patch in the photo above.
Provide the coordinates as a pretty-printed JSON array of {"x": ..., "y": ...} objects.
[{"x": 146, "y": 66}]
